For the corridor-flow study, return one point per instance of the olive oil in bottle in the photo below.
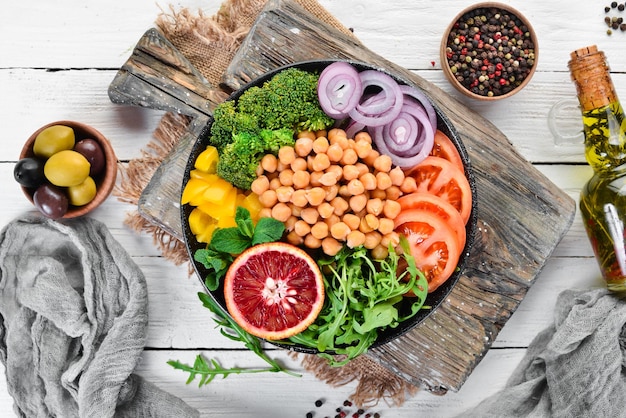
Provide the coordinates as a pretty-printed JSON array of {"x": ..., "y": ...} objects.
[{"x": 603, "y": 198}]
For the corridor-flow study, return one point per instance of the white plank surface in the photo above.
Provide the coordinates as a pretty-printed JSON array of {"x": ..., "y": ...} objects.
[{"x": 58, "y": 58}]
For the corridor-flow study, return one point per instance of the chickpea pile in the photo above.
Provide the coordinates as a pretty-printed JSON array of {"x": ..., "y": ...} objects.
[{"x": 331, "y": 191}]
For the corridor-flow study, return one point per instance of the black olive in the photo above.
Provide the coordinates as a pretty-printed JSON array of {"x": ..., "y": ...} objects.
[{"x": 29, "y": 172}]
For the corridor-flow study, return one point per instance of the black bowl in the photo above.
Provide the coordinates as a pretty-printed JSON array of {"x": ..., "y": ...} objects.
[{"x": 434, "y": 299}]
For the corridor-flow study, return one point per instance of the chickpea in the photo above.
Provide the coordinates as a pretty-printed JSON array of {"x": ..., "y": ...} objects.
[
  {"x": 290, "y": 222},
  {"x": 265, "y": 213},
  {"x": 295, "y": 210},
  {"x": 311, "y": 242},
  {"x": 358, "y": 202},
  {"x": 260, "y": 184},
  {"x": 304, "y": 145},
  {"x": 371, "y": 157},
  {"x": 362, "y": 148},
  {"x": 340, "y": 231},
  {"x": 281, "y": 212},
  {"x": 301, "y": 179},
  {"x": 409, "y": 185},
  {"x": 332, "y": 220},
  {"x": 385, "y": 226},
  {"x": 319, "y": 230},
  {"x": 337, "y": 170},
  {"x": 284, "y": 193},
  {"x": 328, "y": 179},
  {"x": 383, "y": 163},
  {"x": 344, "y": 191},
  {"x": 315, "y": 196},
  {"x": 393, "y": 193},
  {"x": 268, "y": 198},
  {"x": 334, "y": 152},
  {"x": 307, "y": 134},
  {"x": 369, "y": 181},
  {"x": 392, "y": 238},
  {"x": 315, "y": 177},
  {"x": 335, "y": 133},
  {"x": 286, "y": 155},
  {"x": 325, "y": 210},
  {"x": 340, "y": 204},
  {"x": 372, "y": 239},
  {"x": 269, "y": 163},
  {"x": 321, "y": 162},
  {"x": 365, "y": 226},
  {"x": 378, "y": 194},
  {"x": 320, "y": 145},
  {"x": 375, "y": 206},
  {"x": 301, "y": 228},
  {"x": 383, "y": 181},
  {"x": 331, "y": 246},
  {"x": 286, "y": 177},
  {"x": 380, "y": 252},
  {"x": 391, "y": 209},
  {"x": 299, "y": 164},
  {"x": 397, "y": 176},
  {"x": 351, "y": 220},
  {"x": 298, "y": 198},
  {"x": 310, "y": 215},
  {"x": 356, "y": 187},
  {"x": 275, "y": 183},
  {"x": 351, "y": 172},
  {"x": 363, "y": 136},
  {"x": 294, "y": 238},
  {"x": 349, "y": 156},
  {"x": 331, "y": 192},
  {"x": 321, "y": 132},
  {"x": 363, "y": 168},
  {"x": 372, "y": 221},
  {"x": 355, "y": 238}
]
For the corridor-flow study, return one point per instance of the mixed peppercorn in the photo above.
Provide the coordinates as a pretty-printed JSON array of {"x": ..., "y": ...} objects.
[
  {"x": 490, "y": 51},
  {"x": 614, "y": 22},
  {"x": 345, "y": 411}
]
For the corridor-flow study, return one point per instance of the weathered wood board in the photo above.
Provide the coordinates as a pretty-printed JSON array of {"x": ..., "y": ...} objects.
[{"x": 521, "y": 215}]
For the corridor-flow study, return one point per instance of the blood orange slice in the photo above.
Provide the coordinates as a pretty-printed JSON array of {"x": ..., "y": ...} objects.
[{"x": 274, "y": 290}]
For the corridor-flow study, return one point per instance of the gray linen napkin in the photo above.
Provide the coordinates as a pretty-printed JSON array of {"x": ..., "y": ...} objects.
[
  {"x": 574, "y": 368},
  {"x": 73, "y": 316}
]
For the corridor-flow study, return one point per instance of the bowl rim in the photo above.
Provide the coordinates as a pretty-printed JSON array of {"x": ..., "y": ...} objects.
[
  {"x": 444, "y": 44},
  {"x": 435, "y": 299},
  {"x": 106, "y": 180}
]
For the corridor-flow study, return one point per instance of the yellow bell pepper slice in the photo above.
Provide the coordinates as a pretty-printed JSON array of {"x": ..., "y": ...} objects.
[{"x": 207, "y": 160}]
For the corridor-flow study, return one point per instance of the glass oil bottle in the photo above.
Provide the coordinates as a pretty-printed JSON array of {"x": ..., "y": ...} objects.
[{"x": 603, "y": 198}]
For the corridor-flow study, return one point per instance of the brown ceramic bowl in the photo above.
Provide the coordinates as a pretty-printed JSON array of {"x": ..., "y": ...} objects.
[
  {"x": 104, "y": 182},
  {"x": 468, "y": 72}
]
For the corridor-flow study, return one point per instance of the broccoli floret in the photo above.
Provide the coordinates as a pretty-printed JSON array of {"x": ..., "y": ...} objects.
[
  {"x": 227, "y": 122},
  {"x": 240, "y": 159},
  {"x": 262, "y": 120},
  {"x": 287, "y": 100}
]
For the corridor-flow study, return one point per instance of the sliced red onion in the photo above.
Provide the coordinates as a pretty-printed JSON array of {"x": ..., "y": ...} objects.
[
  {"x": 339, "y": 89},
  {"x": 354, "y": 128},
  {"x": 387, "y": 103},
  {"x": 423, "y": 101}
]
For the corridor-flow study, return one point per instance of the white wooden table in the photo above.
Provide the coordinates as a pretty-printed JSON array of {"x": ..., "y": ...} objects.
[{"x": 58, "y": 58}]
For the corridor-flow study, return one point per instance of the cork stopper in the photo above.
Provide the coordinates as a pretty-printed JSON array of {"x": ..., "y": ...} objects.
[{"x": 590, "y": 73}]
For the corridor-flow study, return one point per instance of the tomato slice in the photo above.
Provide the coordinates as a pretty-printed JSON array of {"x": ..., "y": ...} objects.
[
  {"x": 438, "y": 206},
  {"x": 440, "y": 177},
  {"x": 433, "y": 244},
  {"x": 444, "y": 148}
]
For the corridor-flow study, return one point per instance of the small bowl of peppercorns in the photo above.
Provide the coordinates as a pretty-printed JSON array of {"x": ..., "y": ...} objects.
[{"x": 489, "y": 51}]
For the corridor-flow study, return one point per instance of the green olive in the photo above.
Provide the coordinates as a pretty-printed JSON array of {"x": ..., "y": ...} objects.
[
  {"x": 52, "y": 140},
  {"x": 66, "y": 168},
  {"x": 82, "y": 193}
]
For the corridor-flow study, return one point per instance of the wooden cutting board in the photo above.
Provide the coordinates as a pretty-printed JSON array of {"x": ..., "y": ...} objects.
[{"x": 521, "y": 215}]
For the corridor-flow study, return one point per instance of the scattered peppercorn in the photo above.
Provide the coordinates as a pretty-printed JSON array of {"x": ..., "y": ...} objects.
[
  {"x": 490, "y": 51},
  {"x": 309, "y": 415},
  {"x": 614, "y": 4},
  {"x": 319, "y": 403}
]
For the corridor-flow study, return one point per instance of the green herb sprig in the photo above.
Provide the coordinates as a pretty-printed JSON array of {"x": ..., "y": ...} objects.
[{"x": 208, "y": 370}]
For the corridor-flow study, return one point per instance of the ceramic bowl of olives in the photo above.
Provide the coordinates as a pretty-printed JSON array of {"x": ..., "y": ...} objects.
[{"x": 66, "y": 169}]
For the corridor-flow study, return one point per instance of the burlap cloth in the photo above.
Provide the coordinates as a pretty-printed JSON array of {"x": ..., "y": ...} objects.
[{"x": 209, "y": 42}]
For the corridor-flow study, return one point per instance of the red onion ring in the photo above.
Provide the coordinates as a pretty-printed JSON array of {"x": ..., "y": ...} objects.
[
  {"x": 423, "y": 101},
  {"x": 339, "y": 89},
  {"x": 387, "y": 104}
]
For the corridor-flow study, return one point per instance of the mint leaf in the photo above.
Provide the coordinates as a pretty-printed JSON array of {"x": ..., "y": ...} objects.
[
  {"x": 267, "y": 230},
  {"x": 244, "y": 221},
  {"x": 229, "y": 240}
]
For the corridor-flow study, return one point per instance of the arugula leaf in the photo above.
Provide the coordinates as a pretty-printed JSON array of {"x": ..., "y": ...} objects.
[{"x": 362, "y": 297}]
